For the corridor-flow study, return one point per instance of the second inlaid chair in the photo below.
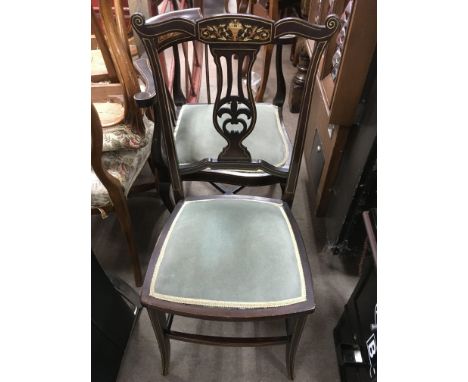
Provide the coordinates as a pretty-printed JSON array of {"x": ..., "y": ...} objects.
[
  {"x": 196, "y": 133},
  {"x": 228, "y": 257}
]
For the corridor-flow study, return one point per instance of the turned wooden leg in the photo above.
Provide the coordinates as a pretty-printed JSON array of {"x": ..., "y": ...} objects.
[
  {"x": 158, "y": 320},
  {"x": 294, "y": 327},
  {"x": 280, "y": 95},
  {"x": 179, "y": 98},
  {"x": 297, "y": 89},
  {"x": 293, "y": 56},
  {"x": 123, "y": 215},
  {"x": 266, "y": 72}
]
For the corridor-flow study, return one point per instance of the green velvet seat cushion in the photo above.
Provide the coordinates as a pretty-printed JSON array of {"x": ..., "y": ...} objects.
[
  {"x": 230, "y": 252},
  {"x": 197, "y": 139}
]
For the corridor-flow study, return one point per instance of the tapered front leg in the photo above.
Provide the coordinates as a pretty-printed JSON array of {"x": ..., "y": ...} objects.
[
  {"x": 159, "y": 322},
  {"x": 294, "y": 328}
]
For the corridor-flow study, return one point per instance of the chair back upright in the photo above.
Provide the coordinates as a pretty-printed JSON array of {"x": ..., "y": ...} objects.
[
  {"x": 96, "y": 29},
  {"x": 234, "y": 41},
  {"x": 120, "y": 52}
]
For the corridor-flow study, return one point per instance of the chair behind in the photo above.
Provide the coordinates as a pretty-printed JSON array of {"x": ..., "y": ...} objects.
[
  {"x": 115, "y": 190},
  {"x": 229, "y": 37},
  {"x": 118, "y": 45}
]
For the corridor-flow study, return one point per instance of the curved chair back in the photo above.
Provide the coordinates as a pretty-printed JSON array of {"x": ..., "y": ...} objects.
[
  {"x": 102, "y": 45},
  {"x": 120, "y": 52},
  {"x": 234, "y": 41}
]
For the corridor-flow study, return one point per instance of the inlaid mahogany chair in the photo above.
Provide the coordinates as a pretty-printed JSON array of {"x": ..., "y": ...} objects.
[
  {"x": 196, "y": 136},
  {"x": 229, "y": 257},
  {"x": 120, "y": 151}
]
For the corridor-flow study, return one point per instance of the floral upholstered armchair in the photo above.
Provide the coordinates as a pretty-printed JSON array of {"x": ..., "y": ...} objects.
[{"x": 119, "y": 150}]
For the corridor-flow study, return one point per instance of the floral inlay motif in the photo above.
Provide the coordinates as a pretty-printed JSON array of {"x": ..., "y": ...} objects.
[{"x": 235, "y": 31}]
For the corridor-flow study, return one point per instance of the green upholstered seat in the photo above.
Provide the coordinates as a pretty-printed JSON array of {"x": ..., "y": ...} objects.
[
  {"x": 197, "y": 139},
  {"x": 230, "y": 252}
]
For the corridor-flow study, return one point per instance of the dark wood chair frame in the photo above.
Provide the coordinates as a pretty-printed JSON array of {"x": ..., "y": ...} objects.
[
  {"x": 294, "y": 315},
  {"x": 155, "y": 40},
  {"x": 234, "y": 156}
]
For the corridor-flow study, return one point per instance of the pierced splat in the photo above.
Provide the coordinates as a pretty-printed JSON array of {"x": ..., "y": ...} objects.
[
  {"x": 234, "y": 115},
  {"x": 236, "y": 39}
]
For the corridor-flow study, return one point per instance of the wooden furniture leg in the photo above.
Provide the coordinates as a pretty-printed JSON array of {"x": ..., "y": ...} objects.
[
  {"x": 298, "y": 82},
  {"x": 179, "y": 98},
  {"x": 273, "y": 15},
  {"x": 160, "y": 326},
  {"x": 266, "y": 72},
  {"x": 123, "y": 215},
  {"x": 162, "y": 329},
  {"x": 102, "y": 45},
  {"x": 294, "y": 328},
  {"x": 280, "y": 96},
  {"x": 293, "y": 55}
]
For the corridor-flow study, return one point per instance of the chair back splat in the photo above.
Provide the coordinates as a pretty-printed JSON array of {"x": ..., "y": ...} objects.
[{"x": 234, "y": 41}]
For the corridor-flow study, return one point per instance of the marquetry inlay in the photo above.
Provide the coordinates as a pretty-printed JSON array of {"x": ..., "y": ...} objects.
[
  {"x": 168, "y": 36},
  {"x": 234, "y": 30}
]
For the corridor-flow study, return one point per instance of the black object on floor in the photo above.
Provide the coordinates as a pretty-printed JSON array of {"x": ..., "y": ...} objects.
[
  {"x": 356, "y": 332},
  {"x": 112, "y": 320}
]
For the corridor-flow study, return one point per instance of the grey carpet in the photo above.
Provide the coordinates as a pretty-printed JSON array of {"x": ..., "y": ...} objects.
[{"x": 333, "y": 284}]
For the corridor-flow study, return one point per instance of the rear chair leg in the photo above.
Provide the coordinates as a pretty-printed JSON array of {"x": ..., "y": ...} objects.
[
  {"x": 123, "y": 215},
  {"x": 294, "y": 327},
  {"x": 159, "y": 322},
  {"x": 265, "y": 74}
]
